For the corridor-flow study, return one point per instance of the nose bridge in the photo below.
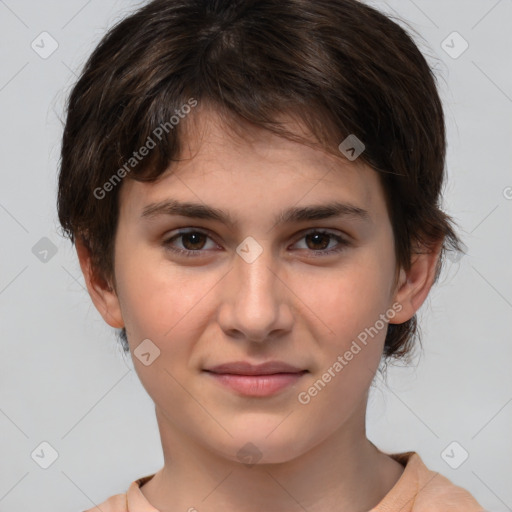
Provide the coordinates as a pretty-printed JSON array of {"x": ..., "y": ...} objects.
[
  {"x": 256, "y": 282},
  {"x": 254, "y": 305},
  {"x": 255, "y": 276}
]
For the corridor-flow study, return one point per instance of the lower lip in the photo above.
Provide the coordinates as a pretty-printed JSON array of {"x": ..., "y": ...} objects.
[{"x": 257, "y": 385}]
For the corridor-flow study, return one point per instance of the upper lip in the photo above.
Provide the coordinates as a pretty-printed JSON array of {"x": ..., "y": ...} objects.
[{"x": 246, "y": 368}]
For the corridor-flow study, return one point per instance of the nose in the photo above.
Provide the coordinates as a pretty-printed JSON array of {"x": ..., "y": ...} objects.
[{"x": 255, "y": 300}]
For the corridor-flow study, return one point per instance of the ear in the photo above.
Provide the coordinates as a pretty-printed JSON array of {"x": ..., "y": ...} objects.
[
  {"x": 414, "y": 285},
  {"x": 102, "y": 293}
]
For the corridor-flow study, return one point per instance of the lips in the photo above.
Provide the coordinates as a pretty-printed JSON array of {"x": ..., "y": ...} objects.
[
  {"x": 246, "y": 368},
  {"x": 262, "y": 380}
]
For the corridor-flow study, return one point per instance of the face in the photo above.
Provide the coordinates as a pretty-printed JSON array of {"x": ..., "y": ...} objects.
[{"x": 253, "y": 283}]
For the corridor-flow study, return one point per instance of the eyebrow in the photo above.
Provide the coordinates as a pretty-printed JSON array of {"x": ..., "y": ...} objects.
[{"x": 333, "y": 209}]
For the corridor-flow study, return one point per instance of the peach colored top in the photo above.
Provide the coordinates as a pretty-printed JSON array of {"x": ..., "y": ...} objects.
[{"x": 417, "y": 490}]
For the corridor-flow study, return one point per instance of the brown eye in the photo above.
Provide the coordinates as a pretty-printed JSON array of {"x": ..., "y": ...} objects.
[
  {"x": 318, "y": 241},
  {"x": 193, "y": 243}
]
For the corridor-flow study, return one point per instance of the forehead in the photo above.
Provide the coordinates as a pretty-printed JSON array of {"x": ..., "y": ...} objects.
[{"x": 242, "y": 168}]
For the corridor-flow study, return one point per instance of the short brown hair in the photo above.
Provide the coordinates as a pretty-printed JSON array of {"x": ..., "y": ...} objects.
[{"x": 339, "y": 66}]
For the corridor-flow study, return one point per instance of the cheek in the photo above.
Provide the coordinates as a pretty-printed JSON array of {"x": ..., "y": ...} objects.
[
  {"x": 160, "y": 301},
  {"x": 350, "y": 308},
  {"x": 170, "y": 309},
  {"x": 349, "y": 299}
]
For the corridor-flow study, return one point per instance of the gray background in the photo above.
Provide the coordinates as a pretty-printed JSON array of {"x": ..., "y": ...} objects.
[{"x": 64, "y": 381}]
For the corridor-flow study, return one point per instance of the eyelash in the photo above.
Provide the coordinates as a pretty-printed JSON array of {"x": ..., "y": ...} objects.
[{"x": 343, "y": 243}]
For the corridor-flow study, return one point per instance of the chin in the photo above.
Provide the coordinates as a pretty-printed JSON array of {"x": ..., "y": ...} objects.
[{"x": 257, "y": 445}]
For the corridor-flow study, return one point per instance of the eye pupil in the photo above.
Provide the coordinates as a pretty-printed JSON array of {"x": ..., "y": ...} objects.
[
  {"x": 189, "y": 236},
  {"x": 318, "y": 236}
]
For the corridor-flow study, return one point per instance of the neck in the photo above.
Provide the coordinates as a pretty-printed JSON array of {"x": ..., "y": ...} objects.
[{"x": 344, "y": 472}]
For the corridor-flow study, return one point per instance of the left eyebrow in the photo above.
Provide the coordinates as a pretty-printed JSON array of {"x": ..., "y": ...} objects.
[{"x": 334, "y": 209}]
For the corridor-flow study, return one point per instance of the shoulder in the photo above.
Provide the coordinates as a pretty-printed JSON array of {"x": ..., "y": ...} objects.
[
  {"x": 116, "y": 503},
  {"x": 132, "y": 500},
  {"x": 436, "y": 492},
  {"x": 421, "y": 490}
]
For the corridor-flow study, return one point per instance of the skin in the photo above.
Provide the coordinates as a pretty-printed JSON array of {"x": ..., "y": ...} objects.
[{"x": 287, "y": 305}]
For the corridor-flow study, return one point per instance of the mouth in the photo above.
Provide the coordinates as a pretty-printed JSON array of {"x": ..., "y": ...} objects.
[{"x": 256, "y": 380}]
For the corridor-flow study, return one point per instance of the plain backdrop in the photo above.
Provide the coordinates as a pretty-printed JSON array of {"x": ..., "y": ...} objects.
[{"x": 63, "y": 379}]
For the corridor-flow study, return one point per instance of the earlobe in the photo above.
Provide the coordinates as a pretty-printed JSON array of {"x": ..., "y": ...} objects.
[
  {"x": 414, "y": 285},
  {"x": 102, "y": 293}
]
